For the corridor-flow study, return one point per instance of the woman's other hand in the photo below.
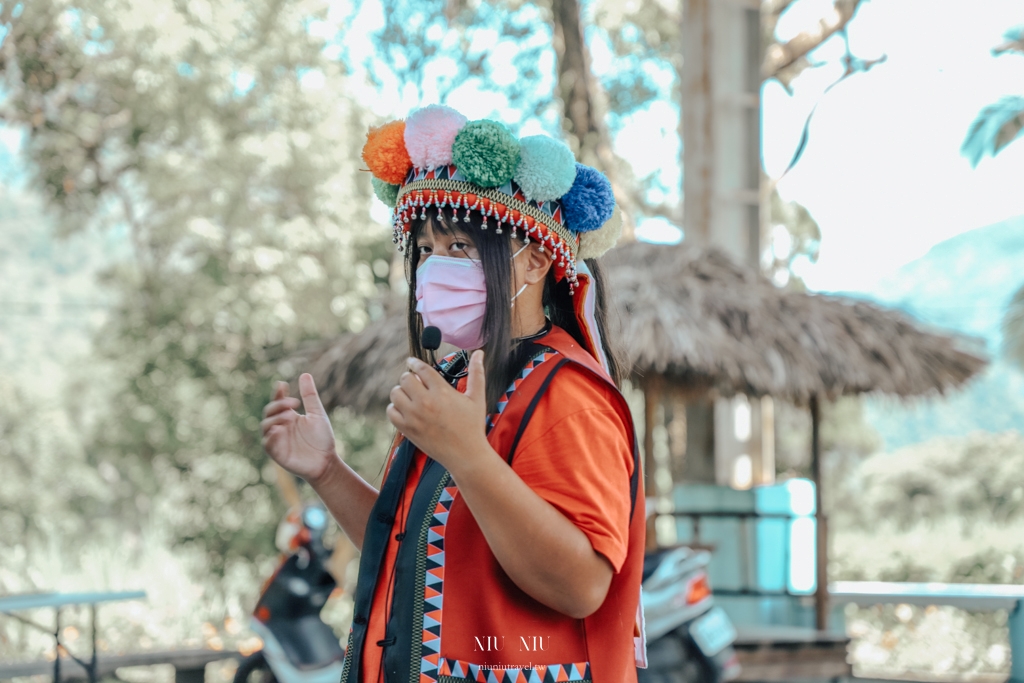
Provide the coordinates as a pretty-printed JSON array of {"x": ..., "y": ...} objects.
[
  {"x": 443, "y": 423},
  {"x": 302, "y": 444}
]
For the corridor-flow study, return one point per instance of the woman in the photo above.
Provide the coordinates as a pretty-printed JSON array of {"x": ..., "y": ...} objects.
[{"x": 505, "y": 542}]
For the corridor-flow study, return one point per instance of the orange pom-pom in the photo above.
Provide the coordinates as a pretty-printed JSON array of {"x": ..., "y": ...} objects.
[{"x": 385, "y": 153}]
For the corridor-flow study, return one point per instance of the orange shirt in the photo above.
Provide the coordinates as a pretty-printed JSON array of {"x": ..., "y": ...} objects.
[{"x": 575, "y": 453}]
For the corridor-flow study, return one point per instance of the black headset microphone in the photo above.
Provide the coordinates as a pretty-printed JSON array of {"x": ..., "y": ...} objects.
[{"x": 430, "y": 339}]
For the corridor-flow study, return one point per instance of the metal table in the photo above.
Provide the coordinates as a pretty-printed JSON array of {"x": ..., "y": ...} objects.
[{"x": 17, "y": 603}]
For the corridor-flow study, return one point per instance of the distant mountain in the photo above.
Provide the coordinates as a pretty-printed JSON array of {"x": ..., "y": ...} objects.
[{"x": 963, "y": 284}]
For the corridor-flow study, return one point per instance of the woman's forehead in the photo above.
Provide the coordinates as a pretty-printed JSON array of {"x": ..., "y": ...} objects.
[{"x": 433, "y": 229}]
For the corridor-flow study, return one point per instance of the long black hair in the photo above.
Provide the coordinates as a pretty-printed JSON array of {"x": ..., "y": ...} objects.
[{"x": 503, "y": 357}]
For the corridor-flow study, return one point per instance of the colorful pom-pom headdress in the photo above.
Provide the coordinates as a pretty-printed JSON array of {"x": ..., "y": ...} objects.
[{"x": 531, "y": 187}]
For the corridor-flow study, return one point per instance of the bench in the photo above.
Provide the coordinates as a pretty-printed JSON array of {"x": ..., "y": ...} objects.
[{"x": 10, "y": 604}]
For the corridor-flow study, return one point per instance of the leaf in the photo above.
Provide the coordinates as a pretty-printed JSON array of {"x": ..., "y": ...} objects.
[
  {"x": 995, "y": 127},
  {"x": 1014, "y": 41}
]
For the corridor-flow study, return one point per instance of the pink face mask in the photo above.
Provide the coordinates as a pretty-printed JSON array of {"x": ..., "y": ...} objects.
[{"x": 451, "y": 295}]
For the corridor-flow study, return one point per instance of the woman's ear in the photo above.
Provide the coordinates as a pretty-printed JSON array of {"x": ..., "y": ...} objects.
[{"x": 538, "y": 263}]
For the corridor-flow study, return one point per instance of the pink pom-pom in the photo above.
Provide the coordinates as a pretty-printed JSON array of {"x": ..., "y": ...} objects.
[{"x": 430, "y": 133}]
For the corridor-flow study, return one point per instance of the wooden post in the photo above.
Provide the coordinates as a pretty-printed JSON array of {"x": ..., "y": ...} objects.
[
  {"x": 821, "y": 545},
  {"x": 652, "y": 395},
  {"x": 677, "y": 433},
  {"x": 767, "y": 439},
  {"x": 57, "y": 647},
  {"x": 1016, "y": 624},
  {"x": 93, "y": 665}
]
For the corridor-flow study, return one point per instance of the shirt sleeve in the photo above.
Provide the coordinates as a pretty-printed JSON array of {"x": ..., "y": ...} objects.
[{"x": 576, "y": 454}]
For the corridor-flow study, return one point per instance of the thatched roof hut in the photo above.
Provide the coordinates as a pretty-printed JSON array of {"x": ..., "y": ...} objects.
[
  {"x": 698, "y": 319},
  {"x": 701, "y": 321}
]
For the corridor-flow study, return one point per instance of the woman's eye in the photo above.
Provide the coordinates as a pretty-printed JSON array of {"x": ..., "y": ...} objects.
[
  {"x": 424, "y": 250},
  {"x": 460, "y": 246}
]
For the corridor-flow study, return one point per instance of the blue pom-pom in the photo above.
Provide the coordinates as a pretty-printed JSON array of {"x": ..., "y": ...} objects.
[
  {"x": 590, "y": 201},
  {"x": 546, "y": 168}
]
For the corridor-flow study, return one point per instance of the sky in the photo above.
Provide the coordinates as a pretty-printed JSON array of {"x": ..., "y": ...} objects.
[{"x": 882, "y": 173}]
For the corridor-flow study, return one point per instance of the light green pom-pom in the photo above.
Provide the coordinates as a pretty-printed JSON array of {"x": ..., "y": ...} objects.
[
  {"x": 486, "y": 153},
  {"x": 386, "y": 192},
  {"x": 546, "y": 168}
]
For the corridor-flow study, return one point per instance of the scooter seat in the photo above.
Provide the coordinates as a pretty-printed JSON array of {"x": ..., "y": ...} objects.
[{"x": 307, "y": 641}]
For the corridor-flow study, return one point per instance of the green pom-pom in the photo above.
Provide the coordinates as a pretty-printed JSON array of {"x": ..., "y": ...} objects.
[
  {"x": 547, "y": 168},
  {"x": 486, "y": 153},
  {"x": 386, "y": 192}
]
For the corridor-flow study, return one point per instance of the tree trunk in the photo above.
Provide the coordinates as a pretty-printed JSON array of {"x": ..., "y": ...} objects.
[
  {"x": 696, "y": 125},
  {"x": 652, "y": 396},
  {"x": 580, "y": 116}
]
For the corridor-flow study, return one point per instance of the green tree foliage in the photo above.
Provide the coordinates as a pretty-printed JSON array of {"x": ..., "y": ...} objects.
[
  {"x": 217, "y": 139},
  {"x": 795, "y": 237},
  {"x": 645, "y": 39},
  {"x": 998, "y": 124},
  {"x": 438, "y": 46},
  {"x": 39, "y": 502},
  {"x": 975, "y": 479}
]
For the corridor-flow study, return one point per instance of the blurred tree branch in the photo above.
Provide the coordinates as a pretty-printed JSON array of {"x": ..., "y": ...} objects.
[
  {"x": 418, "y": 34},
  {"x": 1014, "y": 42},
  {"x": 782, "y": 57}
]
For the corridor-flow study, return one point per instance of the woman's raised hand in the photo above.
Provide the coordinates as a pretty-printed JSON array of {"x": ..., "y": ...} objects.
[
  {"x": 447, "y": 425},
  {"x": 302, "y": 444}
]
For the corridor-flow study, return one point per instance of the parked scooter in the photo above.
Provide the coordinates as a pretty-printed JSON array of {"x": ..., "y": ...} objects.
[
  {"x": 689, "y": 639},
  {"x": 298, "y": 647}
]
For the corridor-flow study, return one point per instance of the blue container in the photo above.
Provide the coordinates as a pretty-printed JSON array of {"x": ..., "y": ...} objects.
[{"x": 763, "y": 548}]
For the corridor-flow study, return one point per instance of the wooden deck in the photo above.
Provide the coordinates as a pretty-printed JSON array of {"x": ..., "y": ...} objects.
[{"x": 783, "y": 653}]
